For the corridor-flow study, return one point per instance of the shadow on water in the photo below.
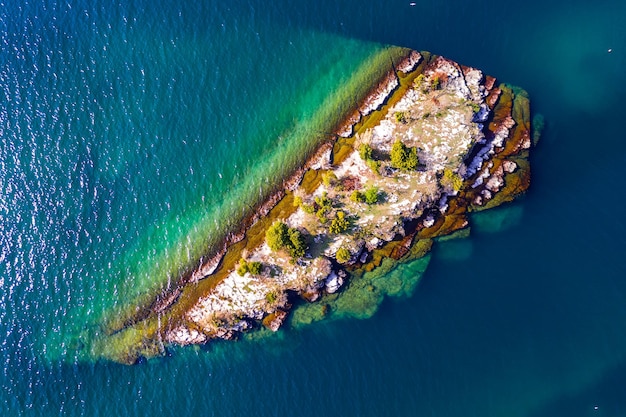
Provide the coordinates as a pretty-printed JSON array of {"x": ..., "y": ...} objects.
[{"x": 602, "y": 398}]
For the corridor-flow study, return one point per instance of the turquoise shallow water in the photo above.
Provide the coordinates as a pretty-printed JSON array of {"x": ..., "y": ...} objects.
[{"x": 128, "y": 133}]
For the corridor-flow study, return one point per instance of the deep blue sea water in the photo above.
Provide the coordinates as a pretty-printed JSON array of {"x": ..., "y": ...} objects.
[{"x": 130, "y": 133}]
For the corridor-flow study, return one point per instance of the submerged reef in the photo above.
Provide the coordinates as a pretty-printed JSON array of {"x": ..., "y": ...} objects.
[{"x": 432, "y": 142}]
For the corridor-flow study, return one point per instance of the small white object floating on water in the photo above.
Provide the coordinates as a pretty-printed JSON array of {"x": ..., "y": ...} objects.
[
  {"x": 610, "y": 50},
  {"x": 412, "y": 3}
]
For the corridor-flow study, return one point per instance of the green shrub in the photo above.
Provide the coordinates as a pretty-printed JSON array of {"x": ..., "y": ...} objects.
[
  {"x": 321, "y": 215},
  {"x": 403, "y": 157},
  {"x": 435, "y": 83},
  {"x": 357, "y": 197},
  {"x": 324, "y": 207},
  {"x": 365, "y": 151},
  {"x": 400, "y": 117},
  {"x": 371, "y": 195},
  {"x": 254, "y": 267},
  {"x": 418, "y": 81},
  {"x": 374, "y": 166},
  {"x": 342, "y": 255},
  {"x": 451, "y": 179},
  {"x": 271, "y": 297},
  {"x": 242, "y": 269},
  {"x": 329, "y": 179},
  {"x": 339, "y": 224},
  {"x": 324, "y": 201},
  {"x": 308, "y": 208}
]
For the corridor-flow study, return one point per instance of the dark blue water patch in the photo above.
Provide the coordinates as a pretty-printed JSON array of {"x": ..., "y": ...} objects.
[{"x": 600, "y": 398}]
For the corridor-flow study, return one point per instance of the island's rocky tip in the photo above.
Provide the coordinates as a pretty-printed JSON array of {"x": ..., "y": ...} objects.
[{"x": 432, "y": 142}]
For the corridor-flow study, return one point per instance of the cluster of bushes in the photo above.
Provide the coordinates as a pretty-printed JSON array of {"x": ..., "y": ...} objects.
[
  {"x": 253, "y": 267},
  {"x": 307, "y": 208},
  {"x": 281, "y": 237},
  {"x": 435, "y": 83},
  {"x": 323, "y": 206},
  {"x": 366, "y": 153},
  {"x": 369, "y": 196},
  {"x": 323, "y": 210},
  {"x": 404, "y": 157}
]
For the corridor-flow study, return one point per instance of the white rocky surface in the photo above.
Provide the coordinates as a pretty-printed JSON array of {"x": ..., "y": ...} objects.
[
  {"x": 384, "y": 90},
  {"x": 410, "y": 63}
]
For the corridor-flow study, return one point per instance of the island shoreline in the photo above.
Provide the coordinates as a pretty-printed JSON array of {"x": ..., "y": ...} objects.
[{"x": 508, "y": 176}]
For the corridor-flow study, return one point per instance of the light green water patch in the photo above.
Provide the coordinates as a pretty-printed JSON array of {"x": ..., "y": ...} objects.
[
  {"x": 455, "y": 250},
  {"x": 459, "y": 234},
  {"x": 498, "y": 219},
  {"x": 364, "y": 294},
  {"x": 538, "y": 125}
]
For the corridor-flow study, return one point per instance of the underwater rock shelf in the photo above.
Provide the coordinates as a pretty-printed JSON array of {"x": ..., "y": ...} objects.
[{"x": 432, "y": 142}]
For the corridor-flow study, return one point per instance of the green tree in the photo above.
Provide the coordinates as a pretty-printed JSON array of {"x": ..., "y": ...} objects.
[
  {"x": 339, "y": 224},
  {"x": 371, "y": 195},
  {"x": 403, "y": 157},
  {"x": 297, "y": 244},
  {"x": 277, "y": 236}
]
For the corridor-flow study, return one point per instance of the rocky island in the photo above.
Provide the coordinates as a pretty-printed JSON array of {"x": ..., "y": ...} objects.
[{"x": 432, "y": 142}]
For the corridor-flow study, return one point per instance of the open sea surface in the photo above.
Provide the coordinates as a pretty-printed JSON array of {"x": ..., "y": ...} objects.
[{"x": 132, "y": 132}]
